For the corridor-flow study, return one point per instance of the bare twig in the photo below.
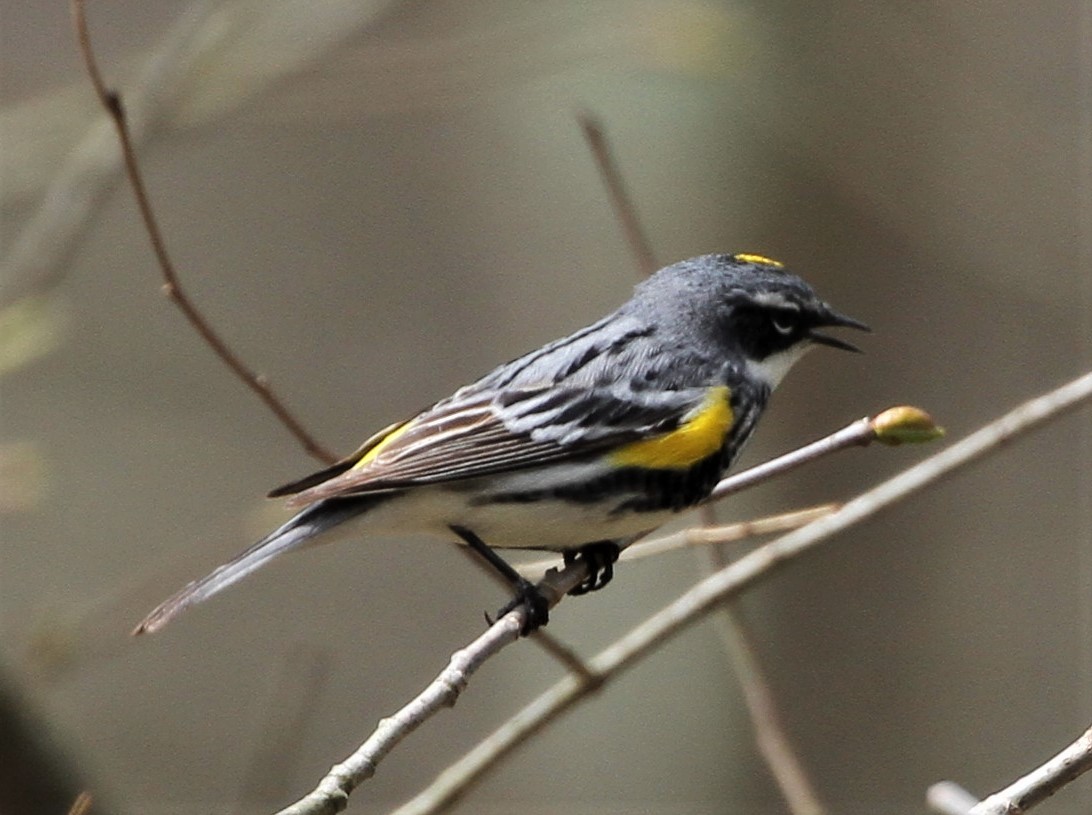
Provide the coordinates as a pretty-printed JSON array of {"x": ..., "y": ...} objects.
[
  {"x": 1026, "y": 792},
  {"x": 616, "y": 189},
  {"x": 704, "y": 536},
  {"x": 542, "y": 638},
  {"x": 172, "y": 287},
  {"x": 208, "y": 62},
  {"x": 701, "y": 536},
  {"x": 332, "y": 793},
  {"x": 770, "y": 734},
  {"x": 457, "y": 779},
  {"x": 898, "y": 425},
  {"x": 859, "y": 433},
  {"x": 82, "y": 804}
]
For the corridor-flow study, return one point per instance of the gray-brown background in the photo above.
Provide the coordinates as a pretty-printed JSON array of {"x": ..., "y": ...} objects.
[{"x": 417, "y": 205}]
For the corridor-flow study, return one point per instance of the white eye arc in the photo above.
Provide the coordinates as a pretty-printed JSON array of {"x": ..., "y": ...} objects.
[{"x": 783, "y": 323}]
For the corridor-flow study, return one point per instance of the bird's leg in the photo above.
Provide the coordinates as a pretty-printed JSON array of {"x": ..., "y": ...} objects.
[
  {"x": 600, "y": 557},
  {"x": 527, "y": 595}
]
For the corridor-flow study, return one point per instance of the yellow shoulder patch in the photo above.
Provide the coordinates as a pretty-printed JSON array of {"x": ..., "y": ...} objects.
[
  {"x": 697, "y": 438},
  {"x": 374, "y": 446},
  {"x": 761, "y": 260}
]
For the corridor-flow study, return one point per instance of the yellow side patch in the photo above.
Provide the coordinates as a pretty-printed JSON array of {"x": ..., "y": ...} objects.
[
  {"x": 374, "y": 446},
  {"x": 761, "y": 260},
  {"x": 697, "y": 438}
]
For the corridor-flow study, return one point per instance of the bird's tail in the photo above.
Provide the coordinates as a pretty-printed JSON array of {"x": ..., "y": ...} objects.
[{"x": 297, "y": 531}]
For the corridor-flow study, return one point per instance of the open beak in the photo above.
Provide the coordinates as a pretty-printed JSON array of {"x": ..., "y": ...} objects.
[{"x": 832, "y": 318}]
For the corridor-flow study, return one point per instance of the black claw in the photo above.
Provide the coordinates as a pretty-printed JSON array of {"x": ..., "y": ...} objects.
[
  {"x": 527, "y": 596},
  {"x": 600, "y": 558},
  {"x": 534, "y": 604},
  {"x": 607, "y": 573}
]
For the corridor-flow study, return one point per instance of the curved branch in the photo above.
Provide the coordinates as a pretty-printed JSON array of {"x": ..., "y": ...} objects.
[
  {"x": 1024, "y": 793},
  {"x": 172, "y": 287},
  {"x": 332, "y": 793}
]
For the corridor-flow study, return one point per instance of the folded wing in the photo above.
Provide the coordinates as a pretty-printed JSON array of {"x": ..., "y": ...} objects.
[{"x": 479, "y": 434}]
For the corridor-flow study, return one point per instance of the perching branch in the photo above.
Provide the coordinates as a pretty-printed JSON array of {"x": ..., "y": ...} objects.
[
  {"x": 172, "y": 287},
  {"x": 1024, "y": 793},
  {"x": 456, "y": 780},
  {"x": 332, "y": 793},
  {"x": 540, "y": 636}
]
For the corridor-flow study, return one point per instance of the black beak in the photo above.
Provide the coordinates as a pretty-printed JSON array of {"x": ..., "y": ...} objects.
[{"x": 830, "y": 317}]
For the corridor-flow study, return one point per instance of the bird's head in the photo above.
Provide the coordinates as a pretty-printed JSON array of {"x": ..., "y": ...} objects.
[{"x": 748, "y": 304}]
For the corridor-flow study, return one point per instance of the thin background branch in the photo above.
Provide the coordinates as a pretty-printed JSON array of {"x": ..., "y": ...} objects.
[
  {"x": 214, "y": 57},
  {"x": 770, "y": 733},
  {"x": 699, "y": 536},
  {"x": 82, "y": 804},
  {"x": 297, "y": 684},
  {"x": 624, "y": 209},
  {"x": 38, "y": 256},
  {"x": 172, "y": 287}
]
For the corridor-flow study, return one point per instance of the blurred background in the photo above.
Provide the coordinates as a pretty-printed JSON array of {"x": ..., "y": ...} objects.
[{"x": 378, "y": 201}]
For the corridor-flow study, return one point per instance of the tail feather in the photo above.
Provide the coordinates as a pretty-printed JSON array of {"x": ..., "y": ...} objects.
[{"x": 293, "y": 534}]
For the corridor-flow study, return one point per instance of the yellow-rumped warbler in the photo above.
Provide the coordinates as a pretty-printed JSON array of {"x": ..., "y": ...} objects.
[{"x": 577, "y": 447}]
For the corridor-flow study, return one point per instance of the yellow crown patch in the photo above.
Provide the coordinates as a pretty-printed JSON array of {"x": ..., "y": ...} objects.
[{"x": 761, "y": 260}]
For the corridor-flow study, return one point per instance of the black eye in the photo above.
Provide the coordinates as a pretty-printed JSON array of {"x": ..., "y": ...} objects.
[{"x": 784, "y": 323}]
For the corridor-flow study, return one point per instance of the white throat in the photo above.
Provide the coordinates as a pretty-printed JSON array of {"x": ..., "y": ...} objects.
[{"x": 773, "y": 368}]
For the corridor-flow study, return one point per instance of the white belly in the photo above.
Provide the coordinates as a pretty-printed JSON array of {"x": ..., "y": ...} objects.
[{"x": 547, "y": 524}]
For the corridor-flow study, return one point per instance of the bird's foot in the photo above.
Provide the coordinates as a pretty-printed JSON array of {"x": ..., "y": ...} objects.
[
  {"x": 530, "y": 599},
  {"x": 600, "y": 558}
]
